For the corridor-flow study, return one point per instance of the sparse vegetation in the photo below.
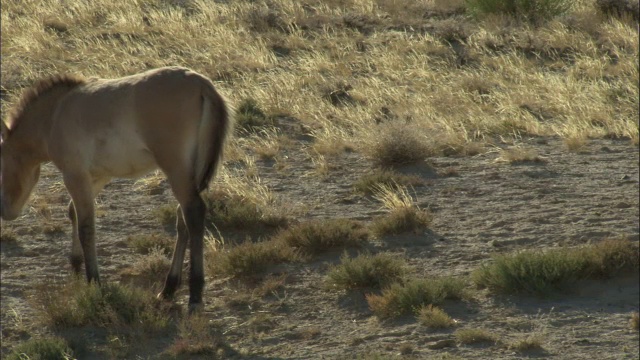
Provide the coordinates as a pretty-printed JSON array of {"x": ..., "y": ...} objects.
[
  {"x": 474, "y": 336},
  {"x": 366, "y": 271},
  {"x": 250, "y": 258},
  {"x": 78, "y": 304},
  {"x": 318, "y": 236},
  {"x": 527, "y": 343},
  {"x": 368, "y": 184},
  {"x": 403, "y": 216},
  {"x": 434, "y": 318},
  {"x": 46, "y": 348},
  {"x": 147, "y": 243},
  {"x": 520, "y": 155},
  {"x": 196, "y": 337},
  {"x": 408, "y": 297},
  {"x": 250, "y": 116},
  {"x": 541, "y": 272}
]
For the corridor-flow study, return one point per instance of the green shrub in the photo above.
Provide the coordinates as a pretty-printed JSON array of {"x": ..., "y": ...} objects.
[
  {"x": 400, "y": 299},
  {"x": 318, "y": 236},
  {"x": 48, "y": 348},
  {"x": 541, "y": 272},
  {"x": 367, "y": 271}
]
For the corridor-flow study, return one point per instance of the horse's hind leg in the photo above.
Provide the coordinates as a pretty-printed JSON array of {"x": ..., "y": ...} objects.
[
  {"x": 175, "y": 273},
  {"x": 76, "y": 258},
  {"x": 193, "y": 212}
]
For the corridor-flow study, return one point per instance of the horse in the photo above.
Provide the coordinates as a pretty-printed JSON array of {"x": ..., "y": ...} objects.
[{"x": 93, "y": 130}]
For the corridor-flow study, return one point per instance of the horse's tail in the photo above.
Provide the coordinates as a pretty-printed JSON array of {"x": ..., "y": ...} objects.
[{"x": 215, "y": 126}]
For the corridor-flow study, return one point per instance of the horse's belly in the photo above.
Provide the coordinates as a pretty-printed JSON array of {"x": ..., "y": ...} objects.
[{"x": 123, "y": 159}]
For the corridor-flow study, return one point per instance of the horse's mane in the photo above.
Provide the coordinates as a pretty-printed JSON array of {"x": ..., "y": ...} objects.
[{"x": 40, "y": 88}]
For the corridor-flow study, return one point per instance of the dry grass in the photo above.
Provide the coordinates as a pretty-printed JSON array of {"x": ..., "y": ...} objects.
[
  {"x": 403, "y": 215},
  {"x": 527, "y": 343},
  {"x": 147, "y": 243},
  {"x": 196, "y": 336},
  {"x": 434, "y": 318},
  {"x": 369, "y": 183},
  {"x": 474, "y": 336},
  {"x": 324, "y": 69}
]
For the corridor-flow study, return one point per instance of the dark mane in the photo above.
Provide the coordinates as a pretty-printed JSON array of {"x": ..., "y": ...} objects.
[{"x": 41, "y": 87}]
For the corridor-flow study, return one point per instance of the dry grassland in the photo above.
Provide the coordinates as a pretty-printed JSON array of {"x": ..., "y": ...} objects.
[{"x": 384, "y": 152}]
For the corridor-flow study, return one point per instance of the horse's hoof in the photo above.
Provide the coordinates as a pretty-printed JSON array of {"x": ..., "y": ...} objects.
[
  {"x": 195, "y": 308},
  {"x": 165, "y": 297}
]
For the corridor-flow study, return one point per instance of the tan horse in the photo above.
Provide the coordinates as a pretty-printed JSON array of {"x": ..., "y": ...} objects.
[{"x": 93, "y": 130}]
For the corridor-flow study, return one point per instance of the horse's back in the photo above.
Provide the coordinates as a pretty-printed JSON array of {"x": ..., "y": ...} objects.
[{"x": 119, "y": 127}]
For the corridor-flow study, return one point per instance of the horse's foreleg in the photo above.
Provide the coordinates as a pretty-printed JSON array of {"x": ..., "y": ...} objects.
[
  {"x": 175, "y": 273},
  {"x": 81, "y": 191},
  {"x": 76, "y": 258}
]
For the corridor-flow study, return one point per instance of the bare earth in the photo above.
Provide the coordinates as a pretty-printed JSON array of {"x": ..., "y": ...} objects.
[{"x": 489, "y": 207}]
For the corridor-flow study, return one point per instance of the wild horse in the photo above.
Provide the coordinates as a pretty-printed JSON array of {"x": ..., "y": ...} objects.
[{"x": 94, "y": 130}]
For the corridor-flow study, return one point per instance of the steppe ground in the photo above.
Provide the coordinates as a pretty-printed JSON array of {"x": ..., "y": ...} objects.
[{"x": 511, "y": 134}]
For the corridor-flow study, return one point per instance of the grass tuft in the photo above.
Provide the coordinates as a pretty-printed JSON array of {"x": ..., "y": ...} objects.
[
  {"x": 111, "y": 305},
  {"x": 529, "y": 343},
  {"x": 250, "y": 258},
  {"x": 46, "y": 348},
  {"x": 249, "y": 116},
  {"x": 368, "y": 184},
  {"x": 434, "y": 318},
  {"x": 148, "y": 243},
  {"x": 319, "y": 236},
  {"x": 401, "y": 299},
  {"x": 366, "y": 271},
  {"x": 540, "y": 272}
]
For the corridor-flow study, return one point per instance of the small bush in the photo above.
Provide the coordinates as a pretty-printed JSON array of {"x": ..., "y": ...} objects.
[
  {"x": 540, "y": 272},
  {"x": 366, "y": 271},
  {"x": 402, "y": 220},
  {"x": 401, "y": 299},
  {"x": 79, "y": 304},
  {"x": 532, "y": 10},
  {"x": 434, "y": 318},
  {"x": 249, "y": 258},
  {"x": 48, "y": 348},
  {"x": 249, "y": 116},
  {"x": 398, "y": 144},
  {"x": 474, "y": 336},
  {"x": 529, "y": 343},
  {"x": 318, "y": 236},
  {"x": 228, "y": 211}
]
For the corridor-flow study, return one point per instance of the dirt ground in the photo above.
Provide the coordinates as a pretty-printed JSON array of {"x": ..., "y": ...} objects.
[{"x": 488, "y": 207}]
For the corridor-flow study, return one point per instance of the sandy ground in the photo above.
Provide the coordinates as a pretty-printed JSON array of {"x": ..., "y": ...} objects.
[{"x": 489, "y": 207}]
